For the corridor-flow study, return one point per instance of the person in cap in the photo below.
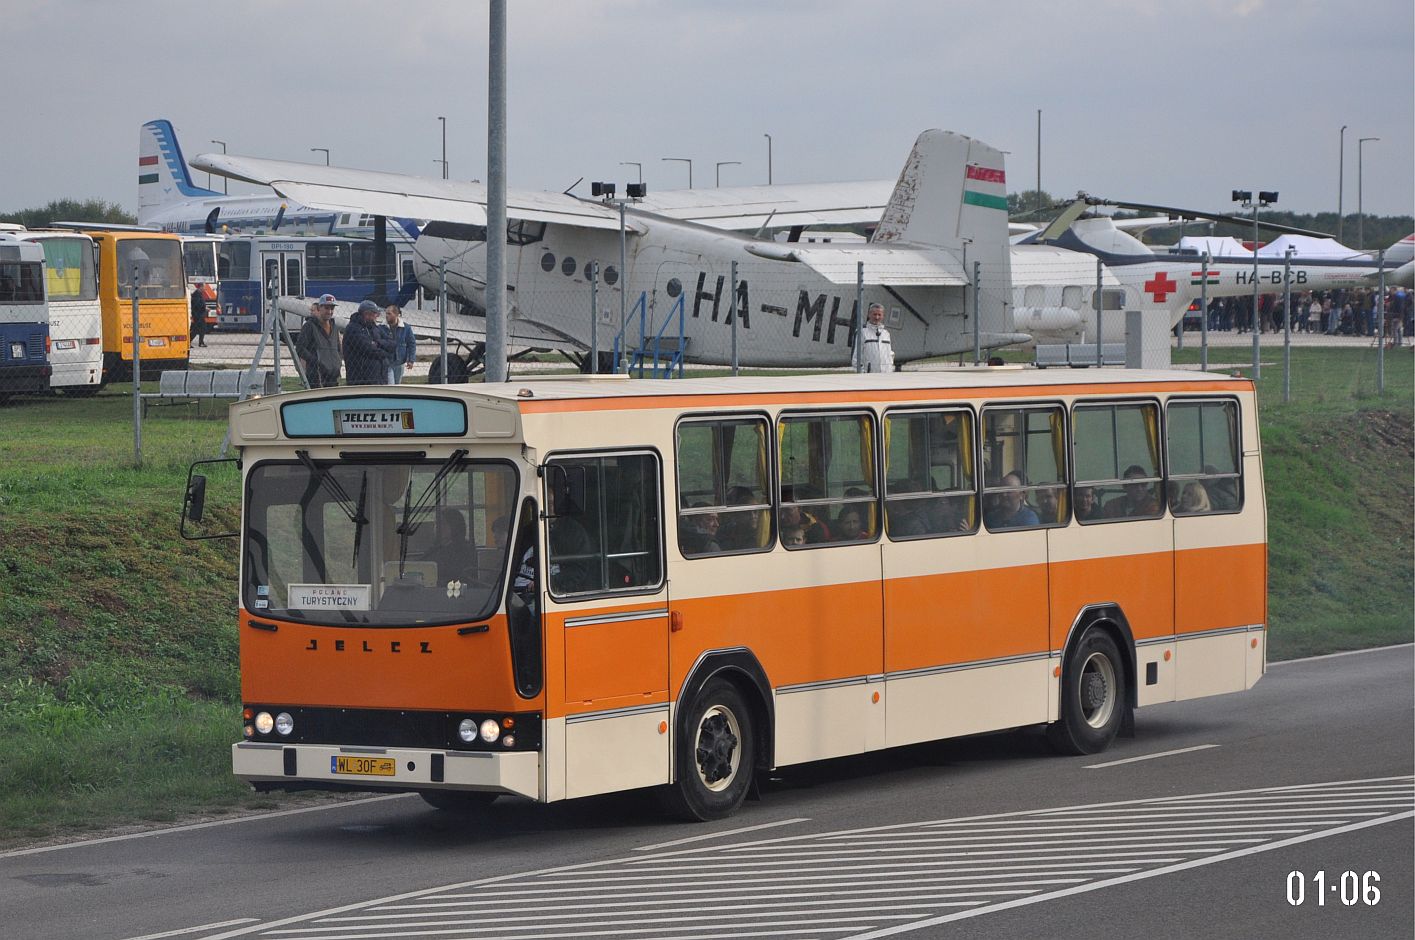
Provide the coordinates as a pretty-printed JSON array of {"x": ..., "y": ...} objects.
[
  {"x": 368, "y": 347},
  {"x": 319, "y": 346}
]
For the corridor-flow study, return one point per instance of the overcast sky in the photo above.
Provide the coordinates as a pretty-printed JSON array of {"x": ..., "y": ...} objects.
[{"x": 1174, "y": 102}]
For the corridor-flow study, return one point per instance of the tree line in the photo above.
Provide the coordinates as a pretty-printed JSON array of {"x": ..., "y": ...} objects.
[{"x": 71, "y": 210}]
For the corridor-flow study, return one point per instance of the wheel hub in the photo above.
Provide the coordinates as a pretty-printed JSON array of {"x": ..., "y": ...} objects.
[
  {"x": 1095, "y": 692},
  {"x": 716, "y": 745}
]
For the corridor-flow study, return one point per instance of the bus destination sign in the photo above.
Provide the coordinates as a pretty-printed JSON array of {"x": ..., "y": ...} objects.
[{"x": 374, "y": 421}]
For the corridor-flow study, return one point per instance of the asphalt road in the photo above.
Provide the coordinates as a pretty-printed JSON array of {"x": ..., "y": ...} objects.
[{"x": 1190, "y": 829}]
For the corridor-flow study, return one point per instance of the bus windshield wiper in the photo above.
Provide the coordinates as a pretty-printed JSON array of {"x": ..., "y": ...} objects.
[
  {"x": 412, "y": 517},
  {"x": 332, "y": 487},
  {"x": 360, "y": 522}
]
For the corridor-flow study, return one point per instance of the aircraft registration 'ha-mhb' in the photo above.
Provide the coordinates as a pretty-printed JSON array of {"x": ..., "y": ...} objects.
[
  {"x": 168, "y": 199},
  {"x": 795, "y": 303}
]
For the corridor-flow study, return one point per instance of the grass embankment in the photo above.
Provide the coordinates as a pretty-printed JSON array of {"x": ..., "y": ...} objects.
[{"x": 118, "y": 651}]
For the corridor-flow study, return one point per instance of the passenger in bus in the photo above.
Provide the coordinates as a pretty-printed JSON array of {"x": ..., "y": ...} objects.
[
  {"x": 741, "y": 529},
  {"x": 450, "y": 549},
  {"x": 1223, "y": 492},
  {"x": 1048, "y": 505},
  {"x": 368, "y": 348},
  {"x": 1138, "y": 500},
  {"x": 1086, "y": 504},
  {"x": 1009, "y": 509},
  {"x": 791, "y": 515},
  {"x": 1193, "y": 499},
  {"x": 698, "y": 532},
  {"x": 793, "y": 535},
  {"x": 319, "y": 345},
  {"x": 849, "y": 525},
  {"x": 949, "y": 514}
]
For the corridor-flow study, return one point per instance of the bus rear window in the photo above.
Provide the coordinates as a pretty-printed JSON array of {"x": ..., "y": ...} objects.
[
  {"x": 21, "y": 282},
  {"x": 70, "y": 269},
  {"x": 158, "y": 263}
]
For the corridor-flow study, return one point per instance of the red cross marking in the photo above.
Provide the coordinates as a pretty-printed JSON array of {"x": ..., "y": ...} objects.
[{"x": 1160, "y": 286}]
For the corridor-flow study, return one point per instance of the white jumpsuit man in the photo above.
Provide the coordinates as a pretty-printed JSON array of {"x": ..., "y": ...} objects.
[{"x": 874, "y": 351}]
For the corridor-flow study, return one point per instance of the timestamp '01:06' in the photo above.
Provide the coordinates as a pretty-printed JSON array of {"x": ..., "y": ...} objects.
[{"x": 1349, "y": 886}]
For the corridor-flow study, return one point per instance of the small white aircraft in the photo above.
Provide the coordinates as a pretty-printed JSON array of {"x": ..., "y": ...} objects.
[
  {"x": 795, "y": 303},
  {"x": 168, "y": 200}
]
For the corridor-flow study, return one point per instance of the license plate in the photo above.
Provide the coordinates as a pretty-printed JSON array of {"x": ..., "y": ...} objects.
[
  {"x": 160, "y": 341},
  {"x": 66, "y": 344},
  {"x": 17, "y": 350},
  {"x": 363, "y": 766}
]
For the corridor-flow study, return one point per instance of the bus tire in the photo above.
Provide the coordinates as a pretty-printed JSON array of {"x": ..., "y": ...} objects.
[
  {"x": 714, "y": 755},
  {"x": 457, "y": 801},
  {"x": 1093, "y": 696}
]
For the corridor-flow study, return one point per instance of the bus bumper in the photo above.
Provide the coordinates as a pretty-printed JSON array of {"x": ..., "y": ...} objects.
[{"x": 312, "y": 766}]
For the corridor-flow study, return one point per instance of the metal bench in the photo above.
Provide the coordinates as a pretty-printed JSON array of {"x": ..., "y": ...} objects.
[
  {"x": 195, "y": 385},
  {"x": 1079, "y": 355}
]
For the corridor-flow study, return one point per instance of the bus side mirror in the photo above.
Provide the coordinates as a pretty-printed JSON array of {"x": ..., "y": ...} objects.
[
  {"x": 195, "y": 505},
  {"x": 194, "y": 497}
]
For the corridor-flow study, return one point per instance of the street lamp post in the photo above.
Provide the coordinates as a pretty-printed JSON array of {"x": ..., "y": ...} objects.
[
  {"x": 640, "y": 167},
  {"x": 323, "y": 150},
  {"x": 687, "y": 160},
  {"x": 768, "y": 158},
  {"x": 1360, "y": 212},
  {"x": 444, "y": 145},
  {"x": 1340, "y": 183},
  {"x": 723, "y": 163},
  {"x": 1265, "y": 198},
  {"x": 224, "y": 182}
]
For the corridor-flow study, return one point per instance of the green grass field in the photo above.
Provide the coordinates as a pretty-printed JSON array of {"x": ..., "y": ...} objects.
[{"x": 118, "y": 654}]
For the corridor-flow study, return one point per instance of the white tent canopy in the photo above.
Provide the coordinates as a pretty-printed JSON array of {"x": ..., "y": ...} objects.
[
  {"x": 1308, "y": 248},
  {"x": 1217, "y": 247}
]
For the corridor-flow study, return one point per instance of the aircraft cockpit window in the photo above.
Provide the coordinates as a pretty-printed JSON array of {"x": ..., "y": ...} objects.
[
  {"x": 522, "y": 232},
  {"x": 455, "y": 231}
]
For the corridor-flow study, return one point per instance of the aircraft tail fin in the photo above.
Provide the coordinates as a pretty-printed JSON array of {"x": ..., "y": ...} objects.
[
  {"x": 163, "y": 177},
  {"x": 952, "y": 195}
]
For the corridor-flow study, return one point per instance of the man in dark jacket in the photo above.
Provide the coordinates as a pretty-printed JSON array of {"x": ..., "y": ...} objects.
[
  {"x": 198, "y": 308},
  {"x": 368, "y": 350},
  {"x": 318, "y": 345}
]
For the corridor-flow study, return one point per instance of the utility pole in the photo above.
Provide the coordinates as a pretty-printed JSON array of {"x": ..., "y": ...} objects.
[
  {"x": 687, "y": 160},
  {"x": 323, "y": 150},
  {"x": 1340, "y": 183},
  {"x": 723, "y": 163},
  {"x": 639, "y": 166},
  {"x": 496, "y": 196},
  {"x": 768, "y": 158},
  {"x": 444, "y": 145}
]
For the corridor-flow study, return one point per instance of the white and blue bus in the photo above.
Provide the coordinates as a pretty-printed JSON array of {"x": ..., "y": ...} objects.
[
  {"x": 302, "y": 267},
  {"x": 24, "y": 318}
]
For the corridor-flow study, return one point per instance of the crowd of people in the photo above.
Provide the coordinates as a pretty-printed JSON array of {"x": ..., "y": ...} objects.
[
  {"x": 1344, "y": 312},
  {"x": 368, "y": 351}
]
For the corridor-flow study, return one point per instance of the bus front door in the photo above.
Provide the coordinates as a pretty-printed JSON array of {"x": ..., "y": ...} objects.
[
  {"x": 607, "y": 610},
  {"x": 283, "y": 275}
]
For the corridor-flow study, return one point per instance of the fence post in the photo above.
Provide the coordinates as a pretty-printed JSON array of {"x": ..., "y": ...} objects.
[
  {"x": 1100, "y": 302},
  {"x": 442, "y": 319},
  {"x": 977, "y": 322},
  {"x": 594, "y": 318},
  {"x": 1204, "y": 318},
  {"x": 1287, "y": 325},
  {"x": 732, "y": 312},
  {"x": 859, "y": 314},
  {"x": 137, "y": 376},
  {"x": 275, "y": 330},
  {"x": 1381, "y": 327}
]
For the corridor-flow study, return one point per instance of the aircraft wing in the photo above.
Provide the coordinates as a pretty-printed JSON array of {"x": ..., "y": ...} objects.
[
  {"x": 894, "y": 267},
  {"x": 748, "y": 208},
  {"x": 341, "y": 189}
]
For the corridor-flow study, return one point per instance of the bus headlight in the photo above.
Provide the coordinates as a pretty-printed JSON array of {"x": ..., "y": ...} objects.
[
  {"x": 490, "y": 730},
  {"x": 264, "y": 722},
  {"x": 467, "y": 730},
  {"x": 284, "y": 723}
]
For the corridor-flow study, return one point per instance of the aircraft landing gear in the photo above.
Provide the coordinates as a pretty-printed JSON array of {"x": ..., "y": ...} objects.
[{"x": 463, "y": 362}]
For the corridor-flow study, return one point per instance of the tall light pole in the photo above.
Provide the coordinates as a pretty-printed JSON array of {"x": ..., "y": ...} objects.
[
  {"x": 723, "y": 163},
  {"x": 1264, "y": 199},
  {"x": 224, "y": 182},
  {"x": 1039, "y": 158},
  {"x": 496, "y": 302},
  {"x": 633, "y": 164},
  {"x": 687, "y": 160},
  {"x": 1360, "y": 214},
  {"x": 1340, "y": 183},
  {"x": 323, "y": 150},
  {"x": 768, "y": 158},
  {"x": 444, "y": 145}
]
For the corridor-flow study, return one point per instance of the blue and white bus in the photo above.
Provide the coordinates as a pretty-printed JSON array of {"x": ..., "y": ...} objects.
[
  {"x": 24, "y": 318},
  {"x": 302, "y": 267}
]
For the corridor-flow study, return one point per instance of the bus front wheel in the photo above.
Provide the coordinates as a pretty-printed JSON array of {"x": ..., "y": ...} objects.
[
  {"x": 1093, "y": 696},
  {"x": 714, "y": 755}
]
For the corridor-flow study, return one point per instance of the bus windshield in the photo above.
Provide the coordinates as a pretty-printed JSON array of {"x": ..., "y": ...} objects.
[
  {"x": 21, "y": 282},
  {"x": 159, "y": 265},
  {"x": 394, "y": 543},
  {"x": 70, "y": 268}
]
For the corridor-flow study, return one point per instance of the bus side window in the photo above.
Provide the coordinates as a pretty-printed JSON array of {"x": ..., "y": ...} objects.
[
  {"x": 1205, "y": 475},
  {"x": 828, "y": 488},
  {"x": 724, "y": 502},
  {"x": 612, "y": 541},
  {"x": 929, "y": 478},
  {"x": 1024, "y": 468},
  {"x": 1117, "y": 450}
]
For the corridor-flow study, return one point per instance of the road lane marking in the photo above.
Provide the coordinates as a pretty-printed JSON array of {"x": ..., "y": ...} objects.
[
  {"x": 720, "y": 835},
  {"x": 1131, "y": 760},
  {"x": 184, "y": 930},
  {"x": 192, "y": 827},
  {"x": 1137, "y": 876},
  {"x": 1309, "y": 659}
]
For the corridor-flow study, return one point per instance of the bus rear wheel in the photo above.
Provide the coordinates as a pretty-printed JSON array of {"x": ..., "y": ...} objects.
[
  {"x": 715, "y": 755},
  {"x": 1093, "y": 696}
]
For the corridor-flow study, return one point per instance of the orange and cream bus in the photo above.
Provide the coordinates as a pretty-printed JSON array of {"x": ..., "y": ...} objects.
[
  {"x": 560, "y": 588},
  {"x": 163, "y": 318}
]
